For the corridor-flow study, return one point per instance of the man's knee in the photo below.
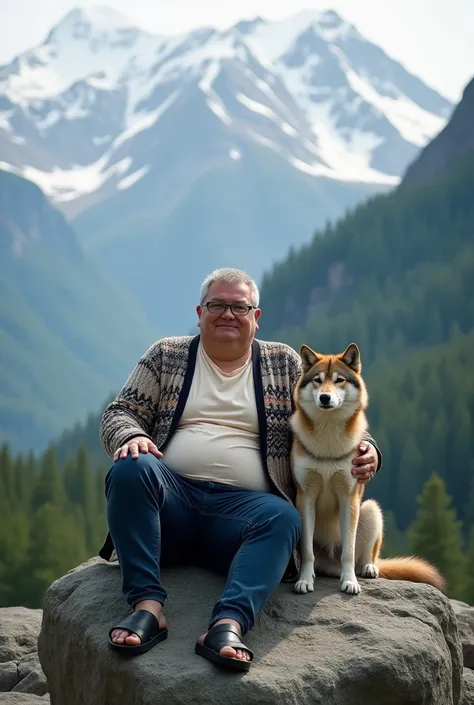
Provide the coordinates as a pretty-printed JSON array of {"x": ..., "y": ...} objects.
[
  {"x": 292, "y": 517},
  {"x": 127, "y": 472},
  {"x": 287, "y": 518}
]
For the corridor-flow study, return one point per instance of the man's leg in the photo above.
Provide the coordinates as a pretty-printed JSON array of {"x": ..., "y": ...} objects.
[
  {"x": 151, "y": 520},
  {"x": 251, "y": 535}
]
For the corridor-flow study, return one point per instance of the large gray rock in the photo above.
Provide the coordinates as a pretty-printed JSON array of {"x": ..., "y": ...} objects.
[
  {"x": 20, "y": 669},
  {"x": 23, "y": 699},
  {"x": 465, "y": 618},
  {"x": 468, "y": 697},
  {"x": 394, "y": 643}
]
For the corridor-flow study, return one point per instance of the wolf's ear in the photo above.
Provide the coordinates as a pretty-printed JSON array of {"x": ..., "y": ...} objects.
[
  {"x": 351, "y": 357},
  {"x": 308, "y": 357}
]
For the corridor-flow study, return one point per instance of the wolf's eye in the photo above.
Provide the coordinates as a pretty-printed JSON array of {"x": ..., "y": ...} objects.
[
  {"x": 340, "y": 380},
  {"x": 317, "y": 379}
]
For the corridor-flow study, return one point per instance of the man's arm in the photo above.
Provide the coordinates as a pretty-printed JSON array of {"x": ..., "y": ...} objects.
[
  {"x": 132, "y": 411},
  {"x": 371, "y": 440}
]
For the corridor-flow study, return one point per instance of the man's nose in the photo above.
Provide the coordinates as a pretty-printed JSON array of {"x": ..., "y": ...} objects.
[{"x": 228, "y": 313}]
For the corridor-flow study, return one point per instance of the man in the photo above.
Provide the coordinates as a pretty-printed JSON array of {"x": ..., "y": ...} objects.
[{"x": 200, "y": 438}]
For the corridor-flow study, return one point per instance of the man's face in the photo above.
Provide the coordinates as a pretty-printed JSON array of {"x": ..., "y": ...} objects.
[{"x": 228, "y": 326}]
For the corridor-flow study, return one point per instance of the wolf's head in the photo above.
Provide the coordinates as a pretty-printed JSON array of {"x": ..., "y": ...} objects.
[{"x": 331, "y": 382}]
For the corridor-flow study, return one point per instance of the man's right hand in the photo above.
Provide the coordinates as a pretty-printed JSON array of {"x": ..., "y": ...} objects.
[{"x": 137, "y": 445}]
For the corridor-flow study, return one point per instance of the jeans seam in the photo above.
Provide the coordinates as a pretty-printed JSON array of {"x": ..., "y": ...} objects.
[
  {"x": 249, "y": 523},
  {"x": 176, "y": 494}
]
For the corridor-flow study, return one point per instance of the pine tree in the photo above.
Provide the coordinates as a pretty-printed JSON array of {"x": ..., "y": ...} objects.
[
  {"x": 101, "y": 505},
  {"x": 7, "y": 478},
  {"x": 85, "y": 497},
  {"x": 56, "y": 546},
  {"x": 394, "y": 541},
  {"x": 436, "y": 535},
  {"x": 14, "y": 546},
  {"x": 408, "y": 481},
  {"x": 49, "y": 487}
]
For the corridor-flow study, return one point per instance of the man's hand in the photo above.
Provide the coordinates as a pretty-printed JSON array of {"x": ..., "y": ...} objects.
[
  {"x": 364, "y": 466},
  {"x": 137, "y": 445}
]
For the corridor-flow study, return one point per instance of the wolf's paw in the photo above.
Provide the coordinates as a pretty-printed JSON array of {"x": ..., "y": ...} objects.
[
  {"x": 369, "y": 570},
  {"x": 349, "y": 584},
  {"x": 304, "y": 586}
]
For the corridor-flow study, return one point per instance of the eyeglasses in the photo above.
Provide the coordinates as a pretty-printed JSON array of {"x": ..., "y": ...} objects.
[{"x": 237, "y": 309}]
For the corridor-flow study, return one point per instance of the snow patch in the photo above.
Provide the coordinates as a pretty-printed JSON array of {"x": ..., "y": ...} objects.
[
  {"x": 4, "y": 120},
  {"x": 288, "y": 129},
  {"x": 205, "y": 84},
  {"x": 62, "y": 185},
  {"x": 265, "y": 141},
  {"x": 98, "y": 141},
  {"x": 132, "y": 178},
  {"x": 412, "y": 122},
  {"x": 213, "y": 100},
  {"x": 368, "y": 175},
  {"x": 51, "y": 119},
  {"x": 144, "y": 121}
]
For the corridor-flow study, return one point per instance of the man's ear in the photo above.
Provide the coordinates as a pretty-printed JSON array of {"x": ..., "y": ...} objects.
[{"x": 199, "y": 313}]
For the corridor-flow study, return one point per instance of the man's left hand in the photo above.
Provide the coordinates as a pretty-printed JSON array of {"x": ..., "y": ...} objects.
[{"x": 364, "y": 466}]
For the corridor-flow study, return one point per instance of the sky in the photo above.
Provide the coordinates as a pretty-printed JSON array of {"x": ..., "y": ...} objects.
[{"x": 432, "y": 38}]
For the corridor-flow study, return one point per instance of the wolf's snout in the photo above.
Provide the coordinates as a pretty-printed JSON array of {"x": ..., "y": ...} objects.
[{"x": 325, "y": 399}]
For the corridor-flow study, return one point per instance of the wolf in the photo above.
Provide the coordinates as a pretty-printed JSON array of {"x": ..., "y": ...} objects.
[{"x": 341, "y": 535}]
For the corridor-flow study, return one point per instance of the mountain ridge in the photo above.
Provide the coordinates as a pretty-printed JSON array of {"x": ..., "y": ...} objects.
[
  {"x": 455, "y": 140},
  {"x": 68, "y": 334},
  {"x": 317, "y": 92}
]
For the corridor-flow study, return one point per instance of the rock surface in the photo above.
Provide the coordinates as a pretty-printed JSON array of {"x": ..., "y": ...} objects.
[
  {"x": 465, "y": 618},
  {"x": 23, "y": 699},
  {"x": 394, "y": 643},
  {"x": 20, "y": 669},
  {"x": 468, "y": 696}
]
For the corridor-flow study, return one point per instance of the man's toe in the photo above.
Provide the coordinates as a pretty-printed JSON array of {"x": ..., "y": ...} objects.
[
  {"x": 118, "y": 635},
  {"x": 132, "y": 639}
]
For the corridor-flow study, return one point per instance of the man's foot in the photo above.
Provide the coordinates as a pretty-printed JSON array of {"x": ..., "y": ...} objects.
[
  {"x": 228, "y": 651},
  {"x": 122, "y": 636}
]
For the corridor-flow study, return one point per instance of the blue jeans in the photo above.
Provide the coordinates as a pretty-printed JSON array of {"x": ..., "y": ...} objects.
[{"x": 158, "y": 518}]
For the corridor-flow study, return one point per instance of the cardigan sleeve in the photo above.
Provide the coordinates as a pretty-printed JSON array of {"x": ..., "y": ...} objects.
[
  {"x": 369, "y": 439},
  {"x": 131, "y": 413}
]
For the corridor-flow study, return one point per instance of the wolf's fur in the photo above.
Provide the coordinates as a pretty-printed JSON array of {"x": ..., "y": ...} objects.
[{"x": 342, "y": 535}]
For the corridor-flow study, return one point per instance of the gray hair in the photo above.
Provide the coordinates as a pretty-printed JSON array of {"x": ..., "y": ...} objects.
[{"x": 227, "y": 275}]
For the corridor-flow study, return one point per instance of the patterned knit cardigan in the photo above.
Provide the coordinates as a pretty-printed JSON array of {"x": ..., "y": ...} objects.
[{"x": 153, "y": 398}]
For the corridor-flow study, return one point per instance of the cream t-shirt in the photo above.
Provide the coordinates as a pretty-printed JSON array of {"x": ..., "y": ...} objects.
[{"x": 217, "y": 436}]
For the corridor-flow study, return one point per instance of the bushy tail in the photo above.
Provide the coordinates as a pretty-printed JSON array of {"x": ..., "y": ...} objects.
[{"x": 411, "y": 568}]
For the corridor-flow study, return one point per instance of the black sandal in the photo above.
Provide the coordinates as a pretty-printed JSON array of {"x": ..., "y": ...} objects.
[
  {"x": 224, "y": 634},
  {"x": 146, "y": 626}
]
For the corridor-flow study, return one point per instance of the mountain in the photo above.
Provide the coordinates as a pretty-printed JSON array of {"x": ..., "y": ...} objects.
[
  {"x": 81, "y": 110},
  {"x": 456, "y": 139},
  {"x": 68, "y": 335},
  {"x": 209, "y": 148}
]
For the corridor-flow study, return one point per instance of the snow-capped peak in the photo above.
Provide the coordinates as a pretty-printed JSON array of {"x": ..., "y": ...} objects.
[
  {"x": 87, "y": 41},
  {"x": 275, "y": 38},
  {"x": 87, "y": 22},
  {"x": 308, "y": 87}
]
